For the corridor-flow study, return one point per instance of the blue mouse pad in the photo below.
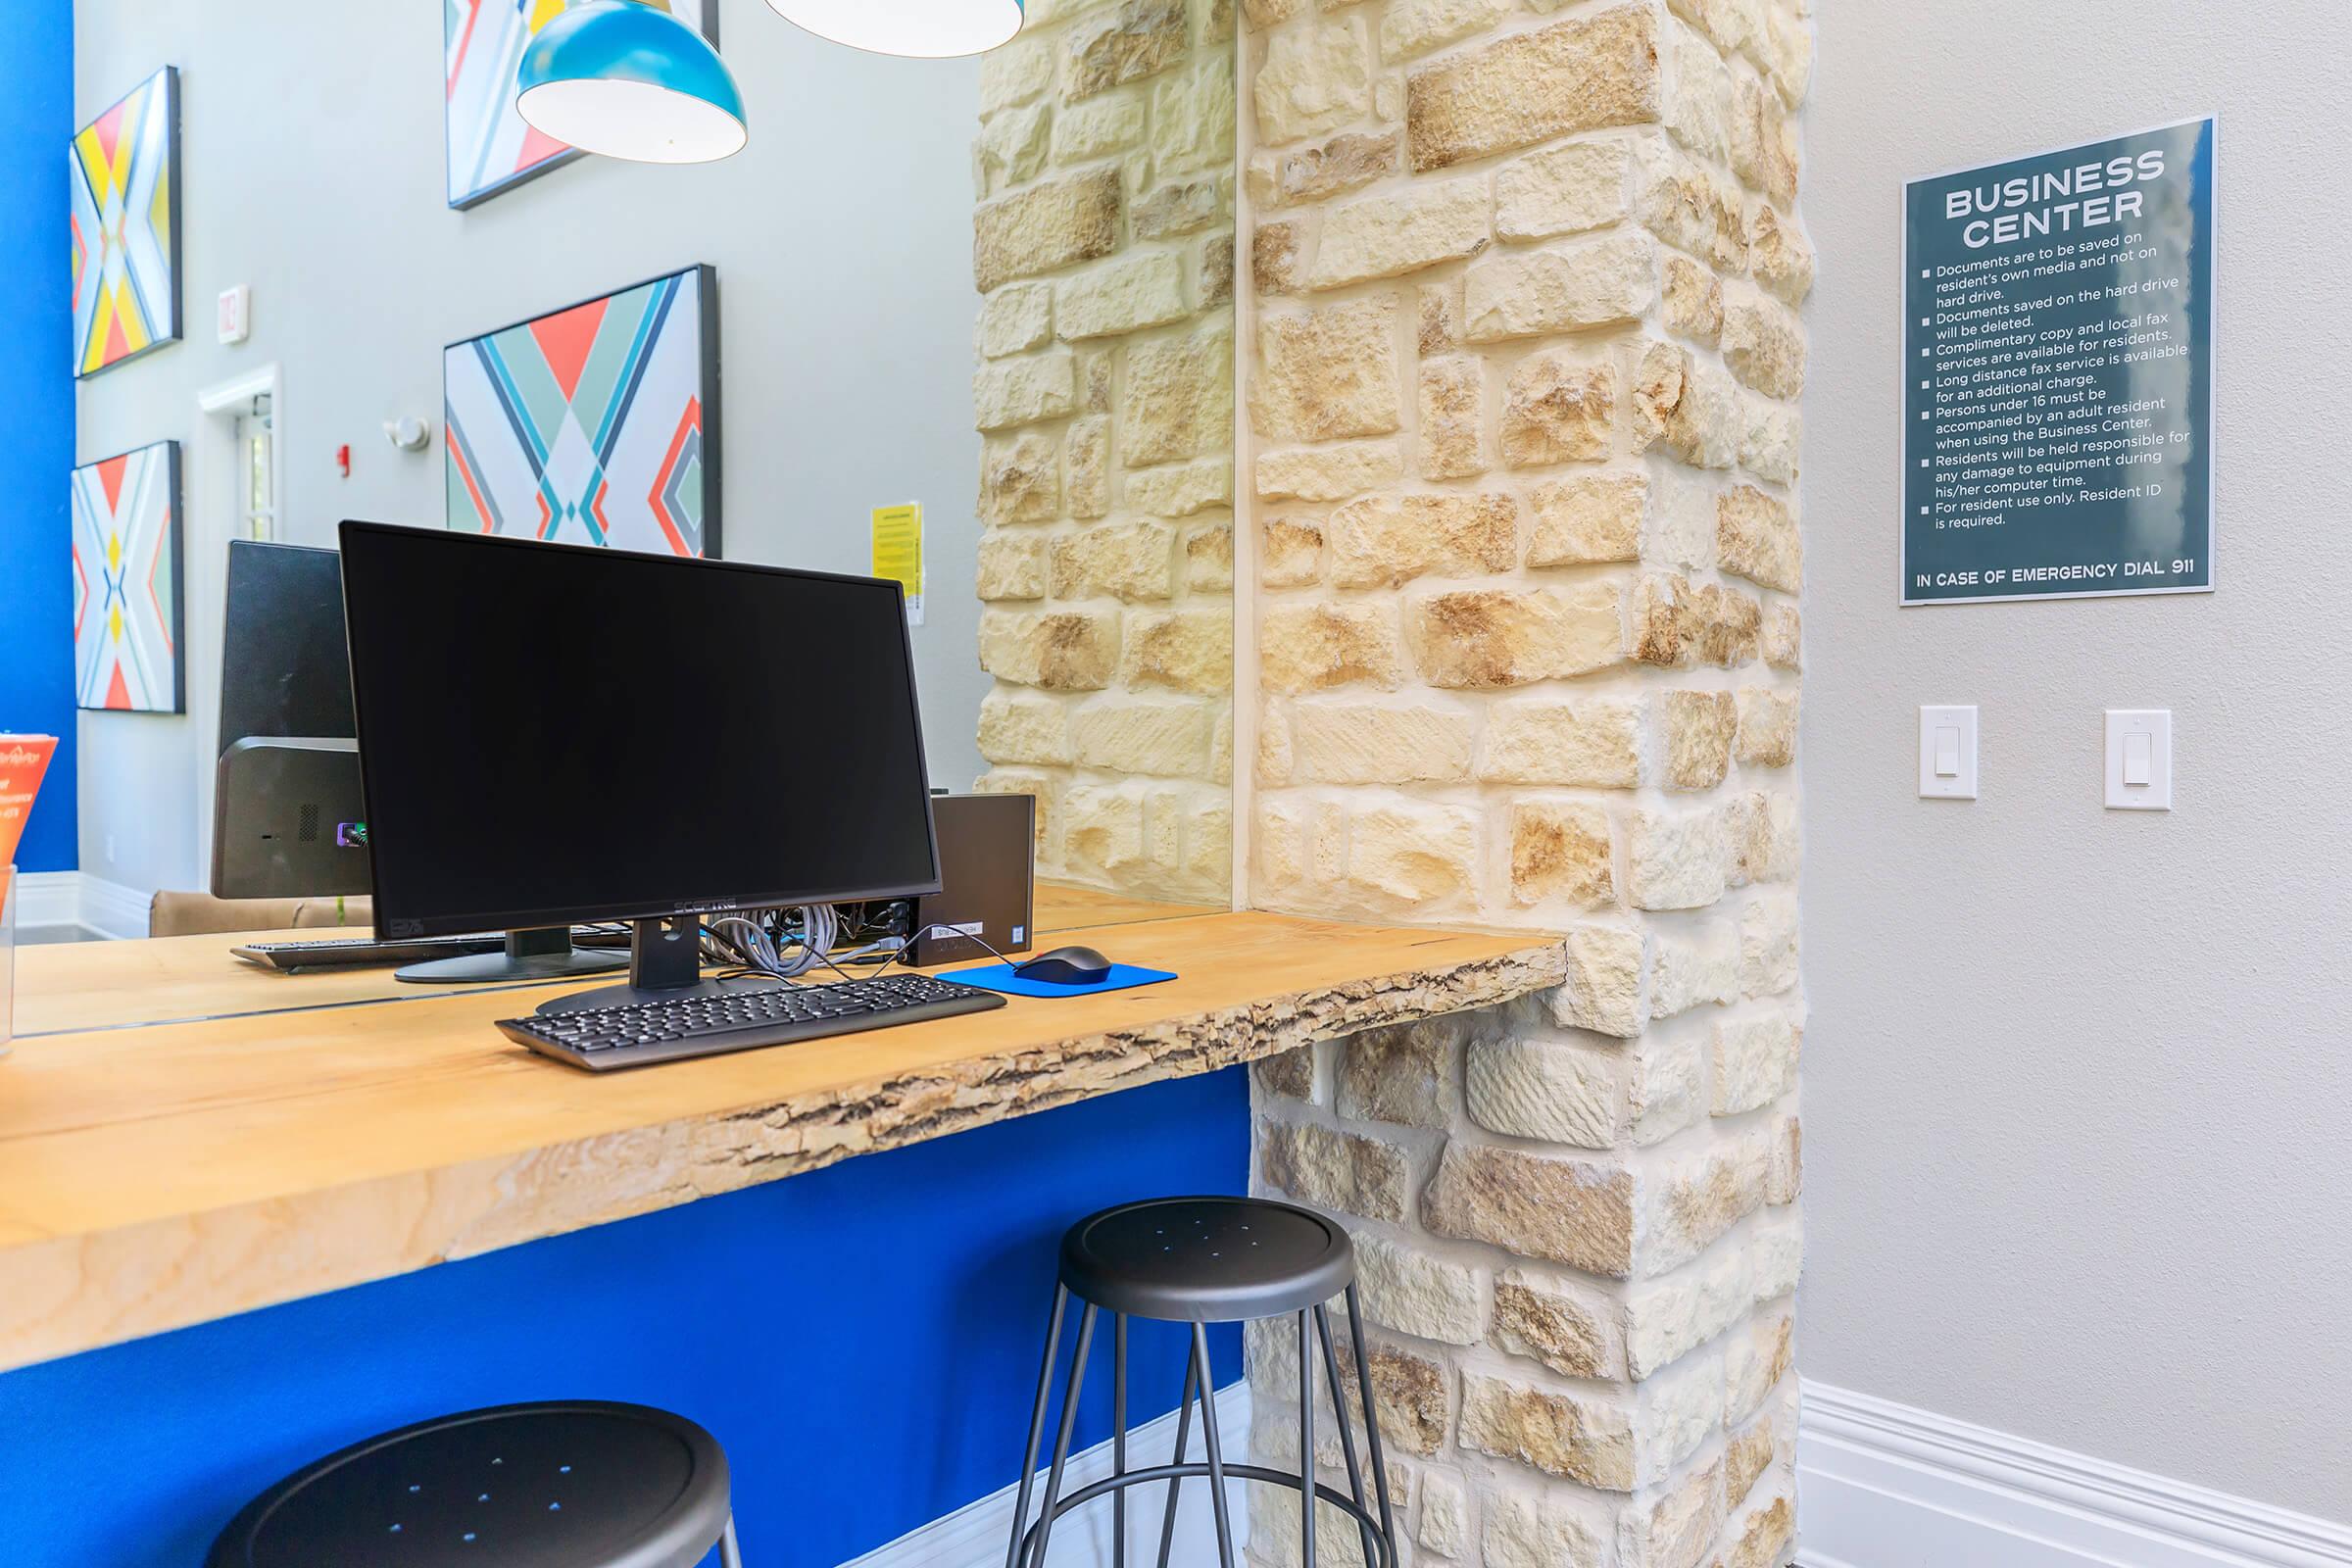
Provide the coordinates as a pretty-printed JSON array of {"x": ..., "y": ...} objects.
[{"x": 1000, "y": 977}]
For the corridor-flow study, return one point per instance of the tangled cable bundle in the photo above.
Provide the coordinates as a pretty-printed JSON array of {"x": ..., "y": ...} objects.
[{"x": 759, "y": 941}]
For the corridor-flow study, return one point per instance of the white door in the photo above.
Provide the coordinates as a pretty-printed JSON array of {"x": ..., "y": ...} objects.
[
  {"x": 257, "y": 477},
  {"x": 233, "y": 492}
]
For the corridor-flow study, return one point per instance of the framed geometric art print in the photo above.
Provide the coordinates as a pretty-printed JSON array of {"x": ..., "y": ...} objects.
[
  {"x": 126, "y": 583},
  {"x": 596, "y": 424},
  {"x": 124, "y": 171},
  {"x": 491, "y": 148}
]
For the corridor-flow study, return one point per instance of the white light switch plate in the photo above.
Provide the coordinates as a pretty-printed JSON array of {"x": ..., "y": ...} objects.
[
  {"x": 2128, "y": 730},
  {"x": 1947, "y": 754}
]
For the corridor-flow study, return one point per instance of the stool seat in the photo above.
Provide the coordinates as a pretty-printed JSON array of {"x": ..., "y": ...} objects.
[
  {"x": 571, "y": 1484},
  {"x": 1206, "y": 1259}
]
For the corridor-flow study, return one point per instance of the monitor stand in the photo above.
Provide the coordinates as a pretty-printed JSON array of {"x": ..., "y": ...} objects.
[
  {"x": 665, "y": 964},
  {"x": 545, "y": 953}
]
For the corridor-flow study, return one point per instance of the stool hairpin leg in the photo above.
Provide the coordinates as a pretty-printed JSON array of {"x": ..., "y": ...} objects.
[
  {"x": 1037, "y": 1426},
  {"x": 1306, "y": 1443},
  {"x": 1339, "y": 1403},
  {"x": 1061, "y": 1438},
  {"x": 730, "y": 1556},
  {"x": 1118, "y": 1438},
  {"x": 1364, "y": 1380},
  {"x": 1184, "y": 1434},
  {"x": 1208, "y": 1434}
]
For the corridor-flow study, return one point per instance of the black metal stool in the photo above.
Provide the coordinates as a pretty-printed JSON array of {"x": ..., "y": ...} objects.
[
  {"x": 1203, "y": 1260},
  {"x": 572, "y": 1485}
]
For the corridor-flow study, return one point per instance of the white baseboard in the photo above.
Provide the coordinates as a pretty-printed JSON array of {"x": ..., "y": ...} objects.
[
  {"x": 48, "y": 897},
  {"x": 1881, "y": 1484},
  {"x": 977, "y": 1535},
  {"x": 80, "y": 898},
  {"x": 112, "y": 911}
]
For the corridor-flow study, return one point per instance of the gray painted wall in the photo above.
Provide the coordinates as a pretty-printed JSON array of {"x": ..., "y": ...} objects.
[
  {"x": 2076, "y": 1081},
  {"x": 313, "y": 171}
]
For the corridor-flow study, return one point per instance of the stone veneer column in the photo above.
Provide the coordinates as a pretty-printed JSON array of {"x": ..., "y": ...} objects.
[
  {"x": 1104, "y": 247},
  {"x": 1524, "y": 399}
]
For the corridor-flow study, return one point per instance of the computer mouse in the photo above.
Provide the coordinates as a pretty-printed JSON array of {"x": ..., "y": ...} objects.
[{"x": 1065, "y": 966}]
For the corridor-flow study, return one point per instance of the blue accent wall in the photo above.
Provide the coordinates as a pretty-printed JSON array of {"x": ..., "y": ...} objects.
[
  {"x": 36, "y": 388},
  {"x": 862, "y": 1340}
]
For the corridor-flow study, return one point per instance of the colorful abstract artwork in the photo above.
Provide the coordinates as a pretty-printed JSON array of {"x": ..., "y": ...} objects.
[
  {"x": 124, "y": 175},
  {"x": 490, "y": 147},
  {"x": 126, "y": 582},
  {"x": 597, "y": 425}
]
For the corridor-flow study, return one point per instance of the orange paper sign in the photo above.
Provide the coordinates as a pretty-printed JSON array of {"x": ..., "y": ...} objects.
[{"x": 24, "y": 759}]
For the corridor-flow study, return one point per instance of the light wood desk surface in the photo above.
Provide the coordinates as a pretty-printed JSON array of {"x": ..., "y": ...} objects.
[
  {"x": 1067, "y": 907},
  {"x": 154, "y": 1177},
  {"x": 109, "y": 985},
  {"x": 74, "y": 987}
]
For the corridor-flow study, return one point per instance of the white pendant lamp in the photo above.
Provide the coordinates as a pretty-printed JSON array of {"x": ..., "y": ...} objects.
[{"x": 926, "y": 29}]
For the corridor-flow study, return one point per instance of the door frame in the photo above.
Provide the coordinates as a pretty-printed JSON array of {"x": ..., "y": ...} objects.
[{"x": 215, "y": 509}]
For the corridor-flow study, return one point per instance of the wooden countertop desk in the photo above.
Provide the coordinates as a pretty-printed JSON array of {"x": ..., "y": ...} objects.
[
  {"x": 109, "y": 985},
  {"x": 157, "y": 1175}
]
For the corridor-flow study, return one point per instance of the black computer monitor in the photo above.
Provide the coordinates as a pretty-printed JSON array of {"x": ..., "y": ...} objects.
[
  {"x": 284, "y": 670},
  {"x": 552, "y": 734}
]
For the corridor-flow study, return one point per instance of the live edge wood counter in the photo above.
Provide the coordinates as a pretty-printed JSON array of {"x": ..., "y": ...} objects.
[{"x": 152, "y": 1178}]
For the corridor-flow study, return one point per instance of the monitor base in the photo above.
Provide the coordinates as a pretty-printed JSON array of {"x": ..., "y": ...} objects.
[
  {"x": 544, "y": 954},
  {"x": 665, "y": 964}
]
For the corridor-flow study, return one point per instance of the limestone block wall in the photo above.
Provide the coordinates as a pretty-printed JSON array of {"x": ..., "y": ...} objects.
[
  {"x": 1103, "y": 248},
  {"x": 1523, "y": 384}
]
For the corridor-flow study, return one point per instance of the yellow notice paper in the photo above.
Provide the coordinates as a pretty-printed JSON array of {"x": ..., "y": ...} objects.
[{"x": 898, "y": 552}]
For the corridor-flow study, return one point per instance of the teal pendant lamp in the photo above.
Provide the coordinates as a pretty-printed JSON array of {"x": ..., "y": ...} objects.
[
  {"x": 625, "y": 80},
  {"x": 929, "y": 30}
]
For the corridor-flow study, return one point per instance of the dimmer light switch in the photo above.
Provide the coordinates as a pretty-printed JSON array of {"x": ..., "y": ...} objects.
[
  {"x": 1947, "y": 754},
  {"x": 2139, "y": 758}
]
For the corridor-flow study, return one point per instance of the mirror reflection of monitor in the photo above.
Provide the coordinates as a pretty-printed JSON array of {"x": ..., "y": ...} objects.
[
  {"x": 287, "y": 817},
  {"x": 283, "y": 669}
]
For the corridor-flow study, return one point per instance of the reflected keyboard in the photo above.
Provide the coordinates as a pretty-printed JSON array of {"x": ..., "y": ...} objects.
[{"x": 359, "y": 953}]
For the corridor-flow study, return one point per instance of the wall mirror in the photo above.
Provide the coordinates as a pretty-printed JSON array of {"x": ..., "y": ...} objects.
[{"x": 972, "y": 311}]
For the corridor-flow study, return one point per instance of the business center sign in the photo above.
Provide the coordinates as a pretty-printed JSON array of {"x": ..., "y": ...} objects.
[{"x": 2058, "y": 374}]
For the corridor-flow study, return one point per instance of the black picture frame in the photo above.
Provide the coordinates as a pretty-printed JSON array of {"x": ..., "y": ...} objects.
[
  {"x": 709, "y": 392},
  {"x": 174, "y": 480},
  {"x": 178, "y": 323}
]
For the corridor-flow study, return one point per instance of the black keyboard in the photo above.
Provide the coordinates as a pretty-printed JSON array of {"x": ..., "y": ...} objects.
[
  {"x": 602, "y": 1039},
  {"x": 355, "y": 953}
]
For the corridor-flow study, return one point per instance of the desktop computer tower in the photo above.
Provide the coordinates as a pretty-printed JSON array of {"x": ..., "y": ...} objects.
[
  {"x": 288, "y": 820},
  {"x": 987, "y": 864}
]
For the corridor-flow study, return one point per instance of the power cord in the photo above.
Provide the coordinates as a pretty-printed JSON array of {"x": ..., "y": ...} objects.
[{"x": 953, "y": 930}]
